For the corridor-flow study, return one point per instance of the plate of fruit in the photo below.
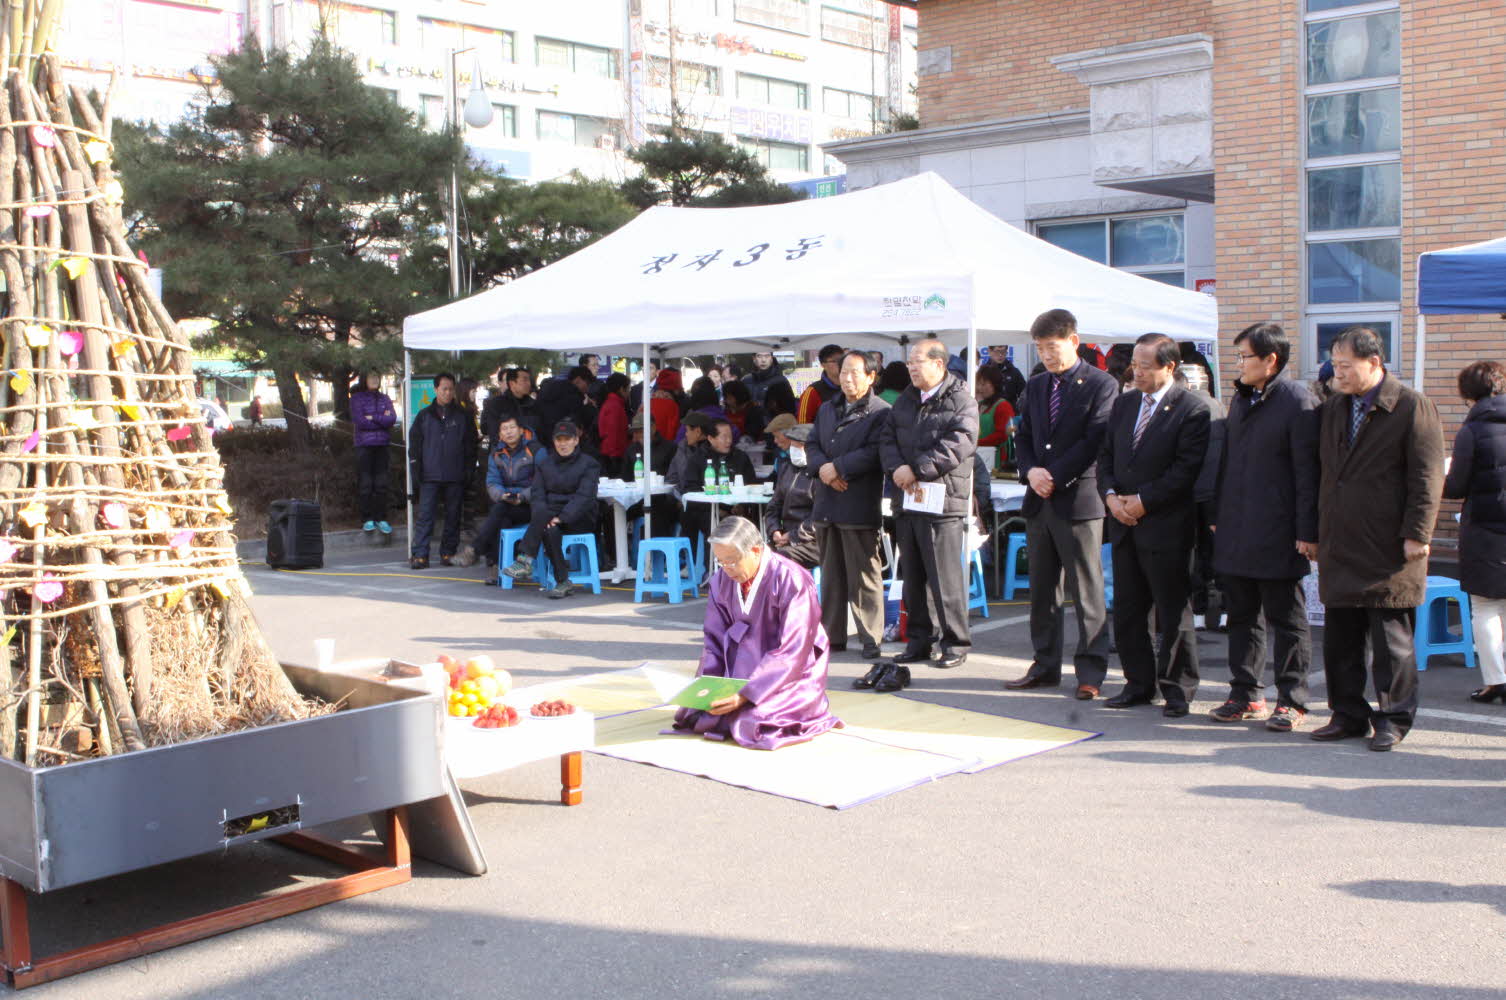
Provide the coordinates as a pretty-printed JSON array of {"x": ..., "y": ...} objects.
[
  {"x": 475, "y": 685},
  {"x": 497, "y": 716},
  {"x": 556, "y": 709}
]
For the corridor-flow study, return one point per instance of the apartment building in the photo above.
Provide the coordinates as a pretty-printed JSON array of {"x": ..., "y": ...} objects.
[{"x": 572, "y": 84}]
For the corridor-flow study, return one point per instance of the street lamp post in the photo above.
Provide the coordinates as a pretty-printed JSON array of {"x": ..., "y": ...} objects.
[{"x": 477, "y": 114}]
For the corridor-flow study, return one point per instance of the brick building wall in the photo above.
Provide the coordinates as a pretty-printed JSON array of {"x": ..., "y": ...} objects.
[
  {"x": 1453, "y": 175},
  {"x": 1257, "y": 153},
  {"x": 1001, "y": 50}
]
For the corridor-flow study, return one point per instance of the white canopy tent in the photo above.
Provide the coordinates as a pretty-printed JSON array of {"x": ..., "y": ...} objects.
[{"x": 876, "y": 267}]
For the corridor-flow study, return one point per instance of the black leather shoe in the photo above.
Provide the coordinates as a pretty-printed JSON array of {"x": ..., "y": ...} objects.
[
  {"x": 1489, "y": 693},
  {"x": 1175, "y": 711},
  {"x": 1033, "y": 681},
  {"x": 871, "y": 651},
  {"x": 1127, "y": 699},
  {"x": 1338, "y": 729},
  {"x": 1385, "y": 738},
  {"x": 894, "y": 679},
  {"x": 950, "y": 658},
  {"x": 917, "y": 654},
  {"x": 873, "y": 676}
]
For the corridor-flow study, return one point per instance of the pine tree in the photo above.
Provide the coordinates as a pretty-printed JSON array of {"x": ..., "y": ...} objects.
[{"x": 284, "y": 207}]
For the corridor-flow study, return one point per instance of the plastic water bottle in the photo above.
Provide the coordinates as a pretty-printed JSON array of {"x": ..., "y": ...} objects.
[
  {"x": 638, "y": 469},
  {"x": 710, "y": 480}
]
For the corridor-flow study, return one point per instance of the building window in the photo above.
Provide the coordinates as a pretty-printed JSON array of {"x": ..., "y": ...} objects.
[
  {"x": 504, "y": 121},
  {"x": 847, "y": 104},
  {"x": 491, "y": 44},
  {"x": 579, "y": 130},
  {"x": 779, "y": 155},
  {"x": 389, "y": 27},
  {"x": 691, "y": 78},
  {"x": 1352, "y": 195},
  {"x": 589, "y": 60},
  {"x": 848, "y": 27},
  {"x": 775, "y": 93},
  {"x": 1152, "y": 246},
  {"x": 786, "y": 15}
]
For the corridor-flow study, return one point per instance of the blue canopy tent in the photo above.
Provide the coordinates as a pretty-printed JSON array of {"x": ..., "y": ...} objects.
[{"x": 1467, "y": 280}]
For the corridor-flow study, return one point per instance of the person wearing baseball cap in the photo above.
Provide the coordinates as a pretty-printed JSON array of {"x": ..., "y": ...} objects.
[{"x": 564, "y": 503}]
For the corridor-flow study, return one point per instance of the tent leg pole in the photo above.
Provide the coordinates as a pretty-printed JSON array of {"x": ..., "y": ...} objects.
[
  {"x": 648, "y": 441},
  {"x": 1419, "y": 353},
  {"x": 407, "y": 435}
]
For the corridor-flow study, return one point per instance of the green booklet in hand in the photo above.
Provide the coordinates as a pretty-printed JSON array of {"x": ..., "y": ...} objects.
[{"x": 702, "y": 691}]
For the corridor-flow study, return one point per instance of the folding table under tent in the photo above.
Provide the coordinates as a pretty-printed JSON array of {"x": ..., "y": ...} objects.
[
  {"x": 1467, "y": 280},
  {"x": 873, "y": 268}
]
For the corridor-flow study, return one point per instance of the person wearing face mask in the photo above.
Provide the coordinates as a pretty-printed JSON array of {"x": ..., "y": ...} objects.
[
  {"x": 844, "y": 452},
  {"x": 372, "y": 417},
  {"x": 792, "y": 533}
]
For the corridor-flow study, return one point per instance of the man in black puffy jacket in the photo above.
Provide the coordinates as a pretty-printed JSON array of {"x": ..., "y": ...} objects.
[
  {"x": 442, "y": 451},
  {"x": 929, "y": 441},
  {"x": 563, "y": 497}
]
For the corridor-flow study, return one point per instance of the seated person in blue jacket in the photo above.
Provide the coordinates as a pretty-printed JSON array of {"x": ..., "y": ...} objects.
[
  {"x": 509, "y": 481},
  {"x": 563, "y": 498}
]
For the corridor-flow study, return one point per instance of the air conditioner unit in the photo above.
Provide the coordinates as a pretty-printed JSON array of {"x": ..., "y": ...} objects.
[{"x": 607, "y": 142}]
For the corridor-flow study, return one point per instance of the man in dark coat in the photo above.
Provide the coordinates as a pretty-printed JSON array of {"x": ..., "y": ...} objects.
[
  {"x": 441, "y": 454},
  {"x": 1266, "y": 516},
  {"x": 567, "y": 398},
  {"x": 844, "y": 451},
  {"x": 929, "y": 441},
  {"x": 1057, "y": 444},
  {"x": 563, "y": 497},
  {"x": 792, "y": 532},
  {"x": 1204, "y": 492},
  {"x": 1381, "y": 449},
  {"x": 515, "y": 400},
  {"x": 765, "y": 374},
  {"x": 1153, "y": 450}
]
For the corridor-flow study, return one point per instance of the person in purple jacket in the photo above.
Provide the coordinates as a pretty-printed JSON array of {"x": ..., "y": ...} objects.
[
  {"x": 372, "y": 416},
  {"x": 763, "y": 623}
]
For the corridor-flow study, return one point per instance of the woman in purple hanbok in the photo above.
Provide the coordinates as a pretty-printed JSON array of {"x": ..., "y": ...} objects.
[{"x": 763, "y": 622}]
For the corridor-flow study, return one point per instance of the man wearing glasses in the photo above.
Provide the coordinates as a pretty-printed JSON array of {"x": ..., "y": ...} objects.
[{"x": 1266, "y": 529}]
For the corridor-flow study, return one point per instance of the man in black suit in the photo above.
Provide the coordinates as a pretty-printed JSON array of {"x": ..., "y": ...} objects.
[
  {"x": 1057, "y": 444},
  {"x": 1152, "y": 454}
]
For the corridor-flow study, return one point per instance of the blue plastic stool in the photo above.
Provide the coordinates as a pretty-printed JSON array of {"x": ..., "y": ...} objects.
[
  {"x": 507, "y": 543},
  {"x": 1013, "y": 578},
  {"x": 671, "y": 581},
  {"x": 580, "y": 556},
  {"x": 977, "y": 594},
  {"x": 1107, "y": 557},
  {"x": 1433, "y": 637}
]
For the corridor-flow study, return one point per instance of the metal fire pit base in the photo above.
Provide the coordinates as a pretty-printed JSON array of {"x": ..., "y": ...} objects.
[{"x": 368, "y": 874}]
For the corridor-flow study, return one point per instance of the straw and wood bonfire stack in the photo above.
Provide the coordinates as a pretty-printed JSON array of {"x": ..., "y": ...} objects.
[{"x": 124, "y": 620}]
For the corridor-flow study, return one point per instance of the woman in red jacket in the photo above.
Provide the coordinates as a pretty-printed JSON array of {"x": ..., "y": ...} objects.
[{"x": 612, "y": 424}]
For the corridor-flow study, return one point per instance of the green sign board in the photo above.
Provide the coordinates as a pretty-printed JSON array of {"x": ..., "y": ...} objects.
[{"x": 420, "y": 395}]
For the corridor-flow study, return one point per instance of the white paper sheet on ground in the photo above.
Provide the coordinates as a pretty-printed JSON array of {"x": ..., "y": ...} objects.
[{"x": 834, "y": 769}]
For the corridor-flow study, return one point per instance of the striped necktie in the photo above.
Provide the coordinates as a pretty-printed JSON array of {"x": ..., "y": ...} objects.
[
  {"x": 1054, "y": 402},
  {"x": 1356, "y": 416},
  {"x": 1145, "y": 412}
]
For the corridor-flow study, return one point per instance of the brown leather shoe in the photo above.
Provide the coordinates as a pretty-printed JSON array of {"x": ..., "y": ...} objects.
[
  {"x": 1338, "y": 729},
  {"x": 1030, "y": 681},
  {"x": 1086, "y": 692}
]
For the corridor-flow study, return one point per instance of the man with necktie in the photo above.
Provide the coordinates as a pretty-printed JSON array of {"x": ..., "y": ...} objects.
[
  {"x": 1066, "y": 411},
  {"x": 1152, "y": 453}
]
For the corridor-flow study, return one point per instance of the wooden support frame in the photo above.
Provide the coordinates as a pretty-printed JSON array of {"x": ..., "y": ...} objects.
[{"x": 369, "y": 872}]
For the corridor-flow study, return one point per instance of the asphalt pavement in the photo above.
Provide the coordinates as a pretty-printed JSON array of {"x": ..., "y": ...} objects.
[{"x": 1166, "y": 859}]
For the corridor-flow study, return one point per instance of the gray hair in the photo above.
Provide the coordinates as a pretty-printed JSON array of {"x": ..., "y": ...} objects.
[{"x": 737, "y": 533}]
